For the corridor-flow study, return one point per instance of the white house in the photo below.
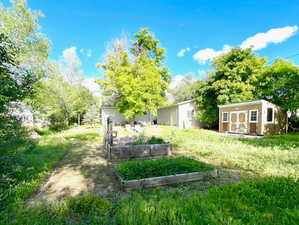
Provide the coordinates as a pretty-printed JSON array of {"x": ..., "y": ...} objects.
[
  {"x": 27, "y": 115},
  {"x": 179, "y": 115},
  {"x": 118, "y": 118}
]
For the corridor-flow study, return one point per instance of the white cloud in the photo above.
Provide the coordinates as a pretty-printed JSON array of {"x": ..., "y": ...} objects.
[
  {"x": 70, "y": 66},
  {"x": 261, "y": 40},
  {"x": 207, "y": 54},
  {"x": 86, "y": 52},
  {"x": 71, "y": 57},
  {"x": 89, "y": 53},
  {"x": 256, "y": 42},
  {"x": 182, "y": 52},
  {"x": 175, "y": 81}
]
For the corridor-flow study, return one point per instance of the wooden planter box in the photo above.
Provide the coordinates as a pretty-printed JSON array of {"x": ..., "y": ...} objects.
[
  {"x": 139, "y": 151},
  {"x": 165, "y": 180}
]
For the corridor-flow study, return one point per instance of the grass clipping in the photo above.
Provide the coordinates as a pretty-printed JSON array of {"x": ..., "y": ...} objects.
[{"x": 140, "y": 169}]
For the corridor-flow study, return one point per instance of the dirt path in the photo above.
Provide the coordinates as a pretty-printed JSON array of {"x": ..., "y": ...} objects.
[{"x": 84, "y": 169}]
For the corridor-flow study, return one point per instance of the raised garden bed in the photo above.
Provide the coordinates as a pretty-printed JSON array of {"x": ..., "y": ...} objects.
[
  {"x": 164, "y": 171},
  {"x": 138, "y": 147}
]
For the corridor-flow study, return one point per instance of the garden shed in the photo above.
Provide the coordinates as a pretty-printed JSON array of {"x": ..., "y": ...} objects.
[
  {"x": 258, "y": 117},
  {"x": 180, "y": 115}
]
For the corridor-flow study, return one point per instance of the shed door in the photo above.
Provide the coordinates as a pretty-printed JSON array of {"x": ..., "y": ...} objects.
[{"x": 239, "y": 122}]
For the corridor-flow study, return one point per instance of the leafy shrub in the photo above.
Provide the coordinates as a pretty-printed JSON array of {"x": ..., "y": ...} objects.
[
  {"x": 139, "y": 169},
  {"x": 153, "y": 140}
]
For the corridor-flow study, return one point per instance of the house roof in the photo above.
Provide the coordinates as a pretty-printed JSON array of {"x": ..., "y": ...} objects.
[
  {"x": 177, "y": 104},
  {"x": 243, "y": 103}
]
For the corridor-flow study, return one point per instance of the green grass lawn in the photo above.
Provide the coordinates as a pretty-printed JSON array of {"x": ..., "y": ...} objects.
[
  {"x": 268, "y": 156},
  {"x": 272, "y": 197},
  {"x": 25, "y": 163}
]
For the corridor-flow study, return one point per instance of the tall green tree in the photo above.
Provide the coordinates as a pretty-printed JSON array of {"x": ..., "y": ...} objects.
[
  {"x": 20, "y": 25},
  {"x": 234, "y": 80},
  {"x": 184, "y": 90},
  {"x": 136, "y": 77},
  {"x": 61, "y": 102},
  {"x": 16, "y": 84},
  {"x": 279, "y": 83}
]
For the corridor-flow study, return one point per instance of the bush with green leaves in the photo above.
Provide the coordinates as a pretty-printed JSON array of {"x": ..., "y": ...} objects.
[{"x": 142, "y": 140}]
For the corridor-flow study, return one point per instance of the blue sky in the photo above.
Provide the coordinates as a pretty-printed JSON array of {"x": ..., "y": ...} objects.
[{"x": 192, "y": 25}]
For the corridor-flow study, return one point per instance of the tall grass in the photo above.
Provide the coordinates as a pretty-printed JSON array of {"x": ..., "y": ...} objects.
[
  {"x": 267, "y": 201},
  {"x": 268, "y": 156}
]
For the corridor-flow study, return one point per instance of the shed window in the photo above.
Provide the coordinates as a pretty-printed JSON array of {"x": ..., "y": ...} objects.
[
  {"x": 253, "y": 116},
  {"x": 270, "y": 115},
  {"x": 225, "y": 117}
]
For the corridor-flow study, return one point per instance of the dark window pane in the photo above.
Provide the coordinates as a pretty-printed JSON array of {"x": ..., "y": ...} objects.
[
  {"x": 269, "y": 115},
  {"x": 253, "y": 116},
  {"x": 225, "y": 117}
]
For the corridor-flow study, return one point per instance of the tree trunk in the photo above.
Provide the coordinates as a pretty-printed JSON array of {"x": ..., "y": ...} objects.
[{"x": 79, "y": 119}]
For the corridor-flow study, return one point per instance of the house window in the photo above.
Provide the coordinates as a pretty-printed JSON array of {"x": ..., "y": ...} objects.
[
  {"x": 225, "y": 117},
  {"x": 253, "y": 116},
  {"x": 270, "y": 115}
]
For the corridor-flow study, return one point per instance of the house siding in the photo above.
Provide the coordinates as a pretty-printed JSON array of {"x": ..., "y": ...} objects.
[
  {"x": 118, "y": 118},
  {"x": 179, "y": 115},
  {"x": 168, "y": 116},
  {"x": 279, "y": 124},
  {"x": 185, "y": 110}
]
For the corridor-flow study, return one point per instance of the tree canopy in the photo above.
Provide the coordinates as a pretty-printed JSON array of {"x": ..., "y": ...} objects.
[
  {"x": 62, "y": 102},
  {"x": 136, "y": 76},
  {"x": 184, "y": 90},
  {"x": 234, "y": 80},
  {"x": 279, "y": 83},
  {"x": 20, "y": 25}
]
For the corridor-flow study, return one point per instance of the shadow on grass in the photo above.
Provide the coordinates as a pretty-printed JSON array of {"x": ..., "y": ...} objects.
[{"x": 283, "y": 142}]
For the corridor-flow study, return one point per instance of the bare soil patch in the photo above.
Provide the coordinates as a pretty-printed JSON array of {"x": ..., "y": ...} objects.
[{"x": 83, "y": 170}]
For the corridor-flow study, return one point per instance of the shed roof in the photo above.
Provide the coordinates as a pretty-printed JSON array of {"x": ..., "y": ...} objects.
[
  {"x": 177, "y": 104},
  {"x": 243, "y": 103}
]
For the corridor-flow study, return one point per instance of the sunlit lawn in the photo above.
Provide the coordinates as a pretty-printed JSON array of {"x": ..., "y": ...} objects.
[
  {"x": 272, "y": 197},
  {"x": 268, "y": 156}
]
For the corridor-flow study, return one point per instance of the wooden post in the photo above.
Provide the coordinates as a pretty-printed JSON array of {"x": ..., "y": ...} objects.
[{"x": 108, "y": 137}]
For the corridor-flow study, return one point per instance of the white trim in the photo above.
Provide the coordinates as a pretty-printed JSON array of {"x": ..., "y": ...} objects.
[
  {"x": 228, "y": 117},
  {"x": 237, "y": 122},
  {"x": 273, "y": 110},
  {"x": 242, "y": 103},
  {"x": 257, "y": 115}
]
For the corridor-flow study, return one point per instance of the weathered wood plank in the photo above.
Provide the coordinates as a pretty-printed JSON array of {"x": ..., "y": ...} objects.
[
  {"x": 140, "y": 151},
  {"x": 165, "y": 180}
]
